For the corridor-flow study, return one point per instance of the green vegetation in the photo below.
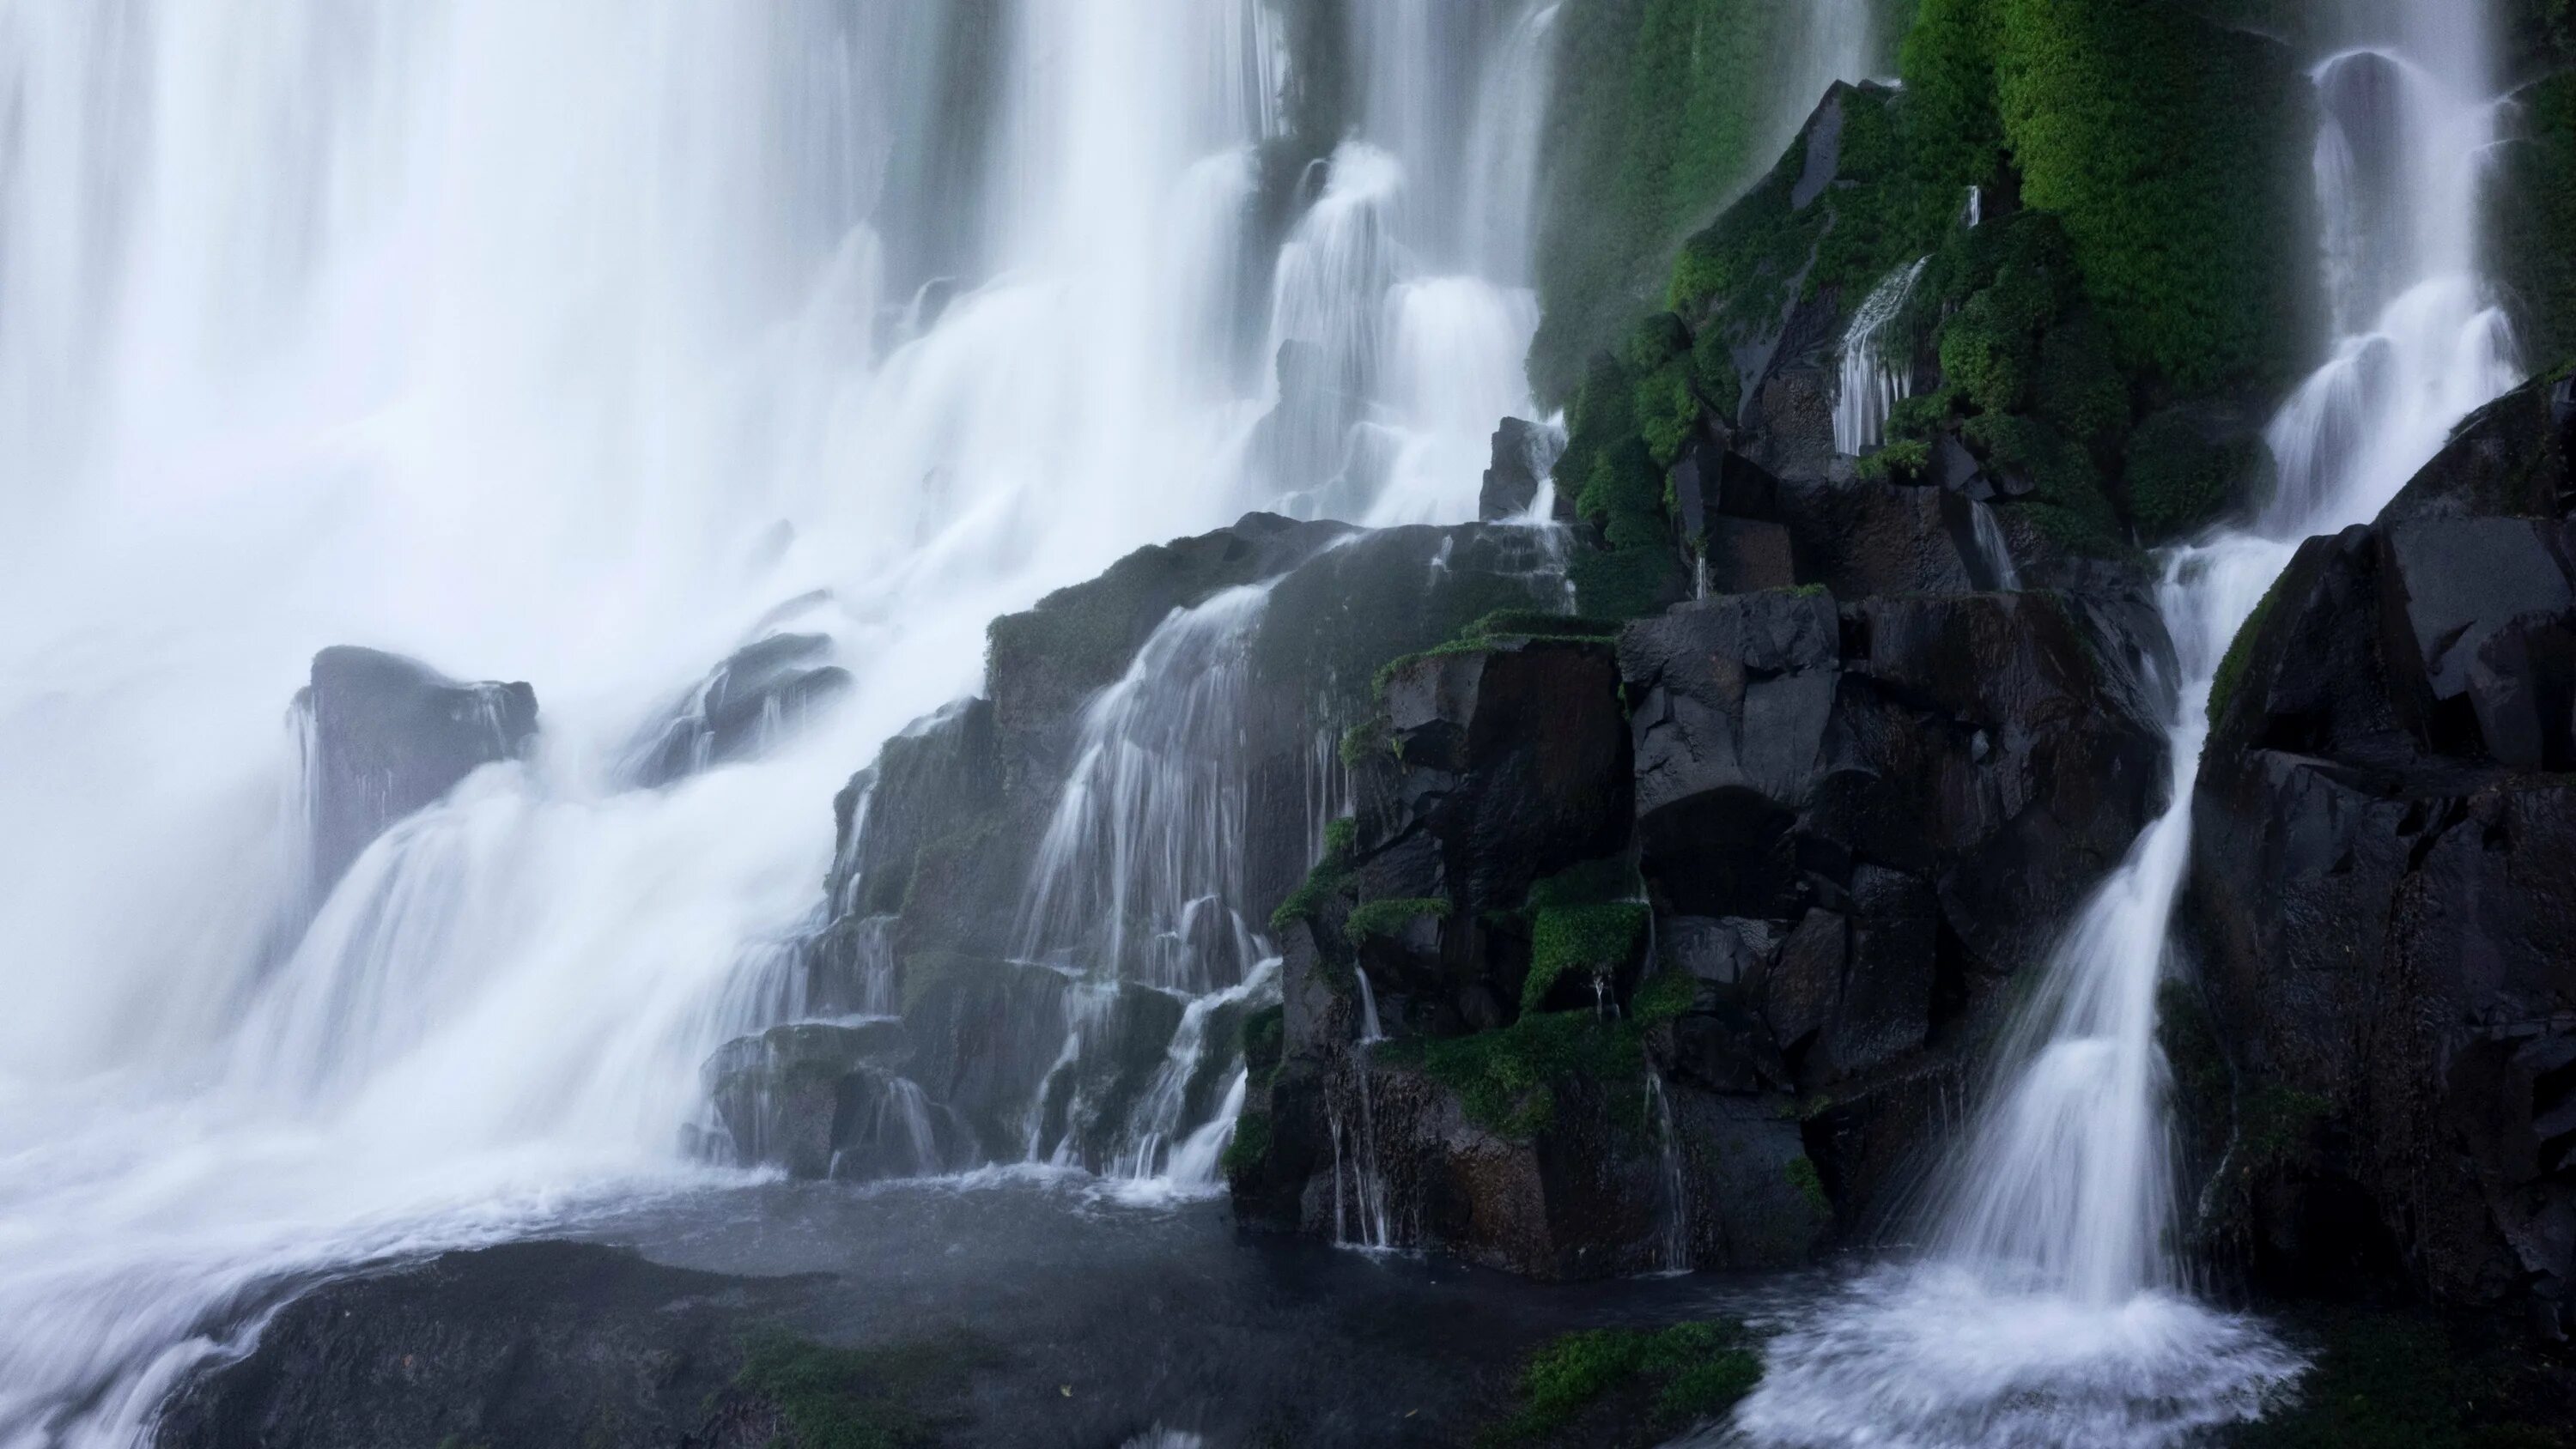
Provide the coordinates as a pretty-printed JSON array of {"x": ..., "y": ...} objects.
[
  {"x": 1619, "y": 483},
  {"x": 2240, "y": 655},
  {"x": 1365, "y": 741},
  {"x": 1676, "y": 1376},
  {"x": 1810, "y": 1184},
  {"x": 2392, "y": 1380},
  {"x": 1505, "y": 1078},
  {"x": 859, "y": 1398},
  {"x": 2531, "y": 213},
  {"x": 1663, "y": 110},
  {"x": 1588, "y": 940},
  {"x": 1330, "y": 873},
  {"x": 2174, "y": 150},
  {"x": 1386, "y": 918},
  {"x": 1249, "y": 1147},
  {"x": 1265, "y": 1038},
  {"x": 1663, "y": 996},
  {"x": 2178, "y": 479},
  {"x": 2029, "y": 382}
]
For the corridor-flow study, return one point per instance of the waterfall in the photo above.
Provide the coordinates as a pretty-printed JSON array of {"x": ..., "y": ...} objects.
[
  {"x": 568, "y": 343},
  {"x": 1674, "y": 1249},
  {"x": 2051, "y": 1306},
  {"x": 1140, "y": 873},
  {"x": 1872, "y": 385}
]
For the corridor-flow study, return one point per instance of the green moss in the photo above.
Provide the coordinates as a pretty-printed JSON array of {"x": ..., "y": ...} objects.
[
  {"x": 1365, "y": 741},
  {"x": 1661, "y": 998},
  {"x": 1330, "y": 873},
  {"x": 1903, "y": 459},
  {"x": 1683, "y": 1374},
  {"x": 1530, "y": 624},
  {"x": 1264, "y": 1041},
  {"x": 2066, "y": 501},
  {"x": 1249, "y": 1147},
  {"x": 1988, "y": 360},
  {"x": 1803, "y": 1176},
  {"x": 2531, "y": 212},
  {"x": 2172, "y": 148},
  {"x": 1505, "y": 1079},
  {"x": 2177, "y": 480},
  {"x": 2394, "y": 1380},
  {"x": 1386, "y": 918},
  {"x": 1569, "y": 940},
  {"x": 1610, "y": 878},
  {"x": 1662, "y": 110},
  {"x": 2239, "y": 656},
  {"x": 859, "y": 1398}
]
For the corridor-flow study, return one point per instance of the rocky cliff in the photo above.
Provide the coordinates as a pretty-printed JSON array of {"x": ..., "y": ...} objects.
[{"x": 2385, "y": 896}]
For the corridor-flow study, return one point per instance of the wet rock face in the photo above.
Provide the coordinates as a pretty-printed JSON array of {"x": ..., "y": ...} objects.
[
  {"x": 390, "y": 735},
  {"x": 1514, "y": 762},
  {"x": 1017, "y": 1043},
  {"x": 822, "y": 1099},
  {"x": 525, "y": 1344},
  {"x": 759, "y": 690},
  {"x": 1858, "y": 822},
  {"x": 2384, "y": 891},
  {"x": 1817, "y": 840},
  {"x": 1524, "y": 452}
]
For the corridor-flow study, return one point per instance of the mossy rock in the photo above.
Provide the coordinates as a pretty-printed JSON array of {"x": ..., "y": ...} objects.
[
  {"x": 902, "y": 1395},
  {"x": 1629, "y": 1386}
]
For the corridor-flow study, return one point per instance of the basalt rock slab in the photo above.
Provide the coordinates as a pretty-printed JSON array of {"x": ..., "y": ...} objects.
[
  {"x": 2383, "y": 893},
  {"x": 390, "y": 735}
]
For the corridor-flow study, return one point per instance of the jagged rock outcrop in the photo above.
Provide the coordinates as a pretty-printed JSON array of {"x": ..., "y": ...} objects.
[
  {"x": 1615, "y": 951},
  {"x": 762, "y": 688},
  {"x": 1524, "y": 456},
  {"x": 2383, "y": 891},
  {"x": 388, "y": 735}
]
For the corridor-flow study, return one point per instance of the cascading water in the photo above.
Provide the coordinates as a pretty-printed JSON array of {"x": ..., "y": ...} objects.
[
  {"x": 564, "y": 343},
  {"x": 1871, "y": 384},
  {"x": 2052, "y": 1308}
]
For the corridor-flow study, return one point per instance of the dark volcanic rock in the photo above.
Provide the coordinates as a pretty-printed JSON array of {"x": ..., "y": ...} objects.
[
  {"x": 1024, "y": 1033},
  {"x": 1515, "y": 760},
  {"x": 390, "y": 735},
  {"x": 1524, "y": 452},
  {"x": 514, "y": 1347},
  {"x": 761, "y": 688},
  {"x": 2384, "y": 890},
  {"x": 1887, "y": 809}
]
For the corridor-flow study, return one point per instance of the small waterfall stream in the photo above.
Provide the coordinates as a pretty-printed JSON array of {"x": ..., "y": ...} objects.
[{"x": 2051, "y": 1307}]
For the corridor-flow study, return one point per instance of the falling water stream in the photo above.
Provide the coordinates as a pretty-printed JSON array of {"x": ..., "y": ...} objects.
[{"x": 2051, "y": 1307}]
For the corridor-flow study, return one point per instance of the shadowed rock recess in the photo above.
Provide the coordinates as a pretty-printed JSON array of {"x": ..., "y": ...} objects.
[{"x": 2384, "y": 891}]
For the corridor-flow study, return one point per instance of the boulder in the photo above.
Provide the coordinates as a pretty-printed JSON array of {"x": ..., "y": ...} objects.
[
  {"x": 388, "y": 735},
  {"x": 759, "y": 690},
  {"x": 2383, "y": 895}
]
